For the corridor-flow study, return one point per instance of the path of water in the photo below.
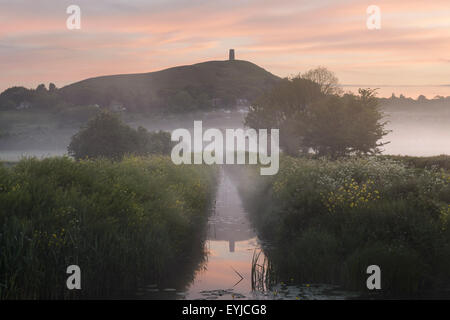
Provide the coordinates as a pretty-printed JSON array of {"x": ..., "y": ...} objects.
[{"x": 230, "y": 247}]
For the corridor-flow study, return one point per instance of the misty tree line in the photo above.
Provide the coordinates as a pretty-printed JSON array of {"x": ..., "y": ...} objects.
[
  {"x": 314, "y": 116},
  {"x": 76, "y": 102},
  {"x": 421, "y": 99},
  {"x": 187, "y": 99},
  {"x": 311, "y": 111}
]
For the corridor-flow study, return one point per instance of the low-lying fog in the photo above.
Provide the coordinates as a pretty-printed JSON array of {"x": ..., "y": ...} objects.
[
  {"x": 415, "y": 133},
  {"x": 418, "y": 133}
]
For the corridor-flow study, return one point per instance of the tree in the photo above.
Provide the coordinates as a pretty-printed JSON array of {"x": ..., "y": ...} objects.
[
  {"x": 327, "y": 80},
  {"x": 153, "y": 142},
  {"x": 14, "y": 96},
  {"x": 422, "y": 99},
  {"x": 107, "y": 136},
  {"x": 285, "y": 107},
  {"x": 310, "y": 119},
  {"x": 52, "y": 88},
  {"x": 41, "y": 88},
  {"x": 339, "y": 126}
]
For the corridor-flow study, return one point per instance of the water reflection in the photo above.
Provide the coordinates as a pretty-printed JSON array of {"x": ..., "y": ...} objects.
[
  {"x": 231, "y": 242},
  {"x": 224, "y": 272},
  {"x": 225, "y": 269}
]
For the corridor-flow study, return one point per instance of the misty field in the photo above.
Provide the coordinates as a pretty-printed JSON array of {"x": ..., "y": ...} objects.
[
  {"x": 328, "y": 221},
  {"x": 125, "y": 223}
]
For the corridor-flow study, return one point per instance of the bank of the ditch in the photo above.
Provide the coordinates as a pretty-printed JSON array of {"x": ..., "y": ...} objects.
[
  {"x": 329, "y": 220},
  {"x": 124, "y": 223}
]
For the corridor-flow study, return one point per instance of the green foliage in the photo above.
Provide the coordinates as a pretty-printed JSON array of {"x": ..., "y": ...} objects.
[
  {"x": 311, "y": 116},
  {"x": 339, "y": 126},
  {"x": 107, "y": 136},
  {"x": 20, "y": 97},
  {"x": 154, "y": 142},
  {"x": 12, "y": 97},
  {"x": 285, "y": 107},
  {"x": 124, "y": 223},
  {"x": 329, "y": 220}
]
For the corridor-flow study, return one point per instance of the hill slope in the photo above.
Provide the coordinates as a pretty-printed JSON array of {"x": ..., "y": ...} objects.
[{"x": 200, "y": 86}]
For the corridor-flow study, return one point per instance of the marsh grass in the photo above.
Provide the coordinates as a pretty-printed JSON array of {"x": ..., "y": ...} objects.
[
  {"x": 124, "y": 223},
  {"x": 263, "y": 275}
]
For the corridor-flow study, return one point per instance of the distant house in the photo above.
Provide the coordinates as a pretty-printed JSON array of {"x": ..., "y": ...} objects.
[{"x": 24, "y": 105}]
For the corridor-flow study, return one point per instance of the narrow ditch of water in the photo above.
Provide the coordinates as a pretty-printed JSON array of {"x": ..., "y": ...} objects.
[{"x": 231, "y": 246}]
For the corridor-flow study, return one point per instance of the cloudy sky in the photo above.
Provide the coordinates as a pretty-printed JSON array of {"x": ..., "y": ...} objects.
[{"x": 283, "y": 36}]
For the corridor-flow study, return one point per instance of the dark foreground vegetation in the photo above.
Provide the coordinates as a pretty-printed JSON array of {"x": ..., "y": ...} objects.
[
  {"x": 124, "y": 223},
  {"x": 329, "y": 220}
]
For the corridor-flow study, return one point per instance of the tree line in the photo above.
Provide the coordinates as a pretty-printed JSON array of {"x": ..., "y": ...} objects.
[{"x": 314, "y": 116}]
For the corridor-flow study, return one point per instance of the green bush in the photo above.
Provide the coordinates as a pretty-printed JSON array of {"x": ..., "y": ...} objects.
[
  {"x": 311, "y": 257},
  {"x": 124, "y": 223},
  {"x": 328, "y": 219},
  {"x": 403, "y": 271}
]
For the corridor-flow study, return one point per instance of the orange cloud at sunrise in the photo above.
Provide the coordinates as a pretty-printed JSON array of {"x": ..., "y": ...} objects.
[{"x": 285, "y": 37}]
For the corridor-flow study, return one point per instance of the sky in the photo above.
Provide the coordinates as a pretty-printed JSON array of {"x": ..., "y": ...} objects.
[{"x": 285, "y": 37}]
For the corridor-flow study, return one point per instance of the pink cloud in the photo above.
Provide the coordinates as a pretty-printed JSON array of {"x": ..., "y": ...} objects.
[{"x": 285, "y": 37}]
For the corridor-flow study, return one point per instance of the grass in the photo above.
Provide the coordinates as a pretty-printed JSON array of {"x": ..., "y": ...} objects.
[
  {"x": 124, "y": 223},
  {"x": 263, "y": 276},
  {"x": 329, "y": 220}
]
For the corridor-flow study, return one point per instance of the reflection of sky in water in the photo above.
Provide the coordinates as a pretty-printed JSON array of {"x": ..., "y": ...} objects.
[
  {"x": 219, "y": 273},
  {"x": 230, "y": 246}
]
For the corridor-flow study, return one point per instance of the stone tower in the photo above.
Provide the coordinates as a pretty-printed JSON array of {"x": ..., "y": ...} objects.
[{"x": 231, "y": 56}]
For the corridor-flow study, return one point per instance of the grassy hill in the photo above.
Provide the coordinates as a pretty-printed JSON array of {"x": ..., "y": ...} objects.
[{"x": 204, "y": 85}]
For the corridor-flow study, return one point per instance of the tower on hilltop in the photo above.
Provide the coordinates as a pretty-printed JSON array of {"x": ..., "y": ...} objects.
[{"x": 231, "y": 55}]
